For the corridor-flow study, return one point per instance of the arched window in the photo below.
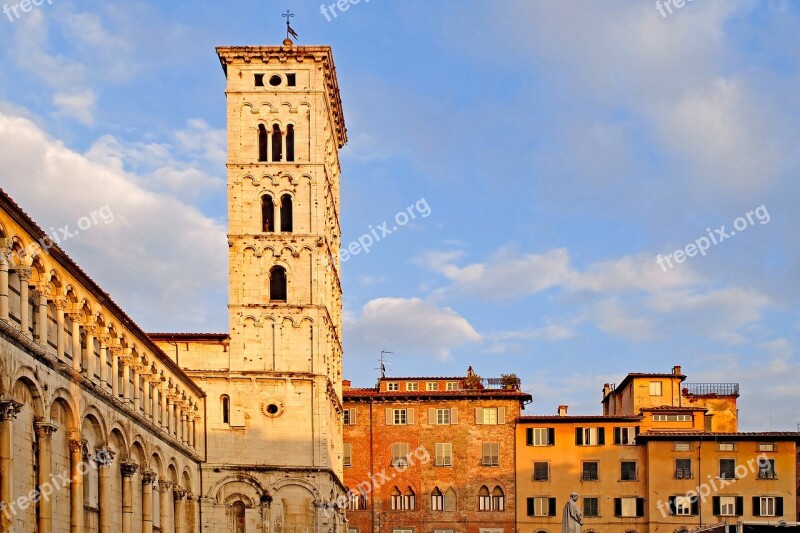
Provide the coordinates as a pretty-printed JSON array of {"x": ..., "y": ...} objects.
[
  {"x": 267, "y": 214},
  {"x": 238, "y": 517},
  {"x": 286, "y": 213},
  {"x": 484, "y": 499},
  {"x": 409, "y": 500},
  {"x": 358, "y": 502},
  {"x": 450, "y": 500},
  {"x": 277, "y": 143},
  {"x": 437, "y": 500},
  {"x": 277, "y": 284},
  {"x": 290, "y": 142},
  {"x": 498, "y": 499},
  {"x": 396, "y": 499},
  {"x": 226, "y": 409},
  {"x": 263, "y": 142}
]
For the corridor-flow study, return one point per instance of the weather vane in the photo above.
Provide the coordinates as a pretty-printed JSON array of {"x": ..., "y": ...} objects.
[{"x": 289, "y": 30}]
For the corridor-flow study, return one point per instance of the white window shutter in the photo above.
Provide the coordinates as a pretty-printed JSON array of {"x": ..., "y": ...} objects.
[
  {"x": 431, "y": 415},
  {"x": 454, "y": 415},
  {"x": 389, "y": 417},
  {"x": 410, "y": 416},
  {"x": 353, "y": 416},
  {"x": 501, "y": 415},
  {"x": 479, "y": 415}
]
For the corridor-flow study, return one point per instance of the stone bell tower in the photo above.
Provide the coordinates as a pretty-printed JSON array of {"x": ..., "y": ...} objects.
[{"x": 280, "y": 387}]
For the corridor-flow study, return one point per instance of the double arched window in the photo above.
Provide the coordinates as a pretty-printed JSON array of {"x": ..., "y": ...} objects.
[
  {"x": 405, "y": 501},
  {"x": 494, "y": 501},
  {"x": 437, "y": 500},
  {"x": 268, "y": 216}
]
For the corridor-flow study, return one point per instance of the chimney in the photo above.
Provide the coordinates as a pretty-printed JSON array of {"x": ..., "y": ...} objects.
[
  {"x": 676, "y": 370},
  {"x": 562, "y": 410},
  {"x": 606, "y": 389},
  {"x": 345, "y": 384}
]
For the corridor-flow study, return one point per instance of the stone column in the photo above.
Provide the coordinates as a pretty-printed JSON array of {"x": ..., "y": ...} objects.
[
  {"x": 162, "y": 405},
  {"x": 148, "y": 478},
  {"x": 127, "y": 395},
  {"x": 103, "y": 370},
  {"x": 105, "y": 458},
  {"x": 168, "y": 414},
  {"x": 192, "y": 430},
  {"x": 90, "y": 359},
  {"x": 77, "y": 356},
  {"x": 135, "y": 395},
  {"x": 76, "y": 452},
  {"x": 284, "y": 157},
  {"x": 61, "y": 305},
  {"x": 44, "y": 432},
  {"x": 115, "y": 355},
  {"x": 165, "y": 504},
  {"x": 179, "y": 510},
  {"x": 25, "y": 275},
  {"x": 128, "y": 469},
  {"x": 179, "y": 426},
  {"x": 5, "y": 260},
  {"x": 146, "y": 401},
  {"x": 41, "y": 327},
  {"x": 9, "y": 409}
]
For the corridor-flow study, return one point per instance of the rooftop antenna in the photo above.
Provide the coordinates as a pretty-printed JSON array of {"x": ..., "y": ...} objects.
[{"x": 384, "y": 362}]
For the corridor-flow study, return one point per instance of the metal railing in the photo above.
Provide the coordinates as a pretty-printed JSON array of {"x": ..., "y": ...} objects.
[{"x": 718, "y": 389}]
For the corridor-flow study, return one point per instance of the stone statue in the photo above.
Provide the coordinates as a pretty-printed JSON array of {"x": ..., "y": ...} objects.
[{"x": 572, "y": 519}]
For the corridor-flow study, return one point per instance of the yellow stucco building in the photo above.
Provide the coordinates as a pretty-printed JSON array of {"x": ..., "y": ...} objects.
[{"x": 665, "y": 456}]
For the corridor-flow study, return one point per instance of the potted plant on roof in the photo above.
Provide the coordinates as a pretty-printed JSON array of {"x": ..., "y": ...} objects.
[
  {"x": 473, "y": 381},
  {"x": 510, "y": 381}
]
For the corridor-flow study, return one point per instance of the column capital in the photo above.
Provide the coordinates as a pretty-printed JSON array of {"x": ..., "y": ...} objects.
[
  {"x": 42, "y": 289},
  {"x": 75, "y": 316},
  {"x": 77, "y": 444},
  {"x": 164, "y": 486},
  {"x": 6, "y": 258},
  {"x": 148, "y": 477},
  {"x": 25, "y": 273},
  {"x": 179, "y": 493},
  {"x": 44, "y": 429},
  {"x": 60, "y": 303},
  {"x": 104, "y": 456},
  {"x": 91, "y": 329},
  {"x": 128, "y": 468},
  {"x": 9, "y": 409}
]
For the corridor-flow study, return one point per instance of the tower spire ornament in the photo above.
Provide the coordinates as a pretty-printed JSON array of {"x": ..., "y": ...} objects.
[{"x": 289, "y": 31}]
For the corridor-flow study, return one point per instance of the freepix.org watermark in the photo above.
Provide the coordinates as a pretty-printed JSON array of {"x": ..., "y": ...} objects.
[
  {"x": 58, "y": 236},
  {"x": 702, "y": 244},
  {"x": 330, "y": 11},
  {"x": 381, "y": 231},
  {"x": 712, "y": 484},
  {"x": 665, "y": 8},
  {"x": 15, "y": 11}
]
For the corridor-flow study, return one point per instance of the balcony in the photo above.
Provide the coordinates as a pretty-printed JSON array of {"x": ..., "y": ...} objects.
[{"x": 711, "y": 389}]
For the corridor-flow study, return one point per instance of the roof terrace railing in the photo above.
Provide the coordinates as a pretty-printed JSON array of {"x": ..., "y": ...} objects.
[{"x": 705, "y": 389}]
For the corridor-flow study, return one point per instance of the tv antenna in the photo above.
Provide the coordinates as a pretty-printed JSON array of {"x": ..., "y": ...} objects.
[{"x": 384, "y": 362}]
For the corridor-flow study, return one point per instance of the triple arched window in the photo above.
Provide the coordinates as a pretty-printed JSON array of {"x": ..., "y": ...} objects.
[
  {"x": 274, "y": 145},
  {"x": 403, "y": 501}
]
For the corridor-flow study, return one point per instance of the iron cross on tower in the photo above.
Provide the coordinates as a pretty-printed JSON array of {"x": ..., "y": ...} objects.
[{"x": 289, "y": 30}]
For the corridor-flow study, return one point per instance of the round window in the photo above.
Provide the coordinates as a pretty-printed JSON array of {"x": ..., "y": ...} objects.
[{"x": 275, "y": 80}]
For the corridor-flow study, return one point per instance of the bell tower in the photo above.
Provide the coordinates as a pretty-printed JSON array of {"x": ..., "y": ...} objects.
[{"x": 284, "y": 375}]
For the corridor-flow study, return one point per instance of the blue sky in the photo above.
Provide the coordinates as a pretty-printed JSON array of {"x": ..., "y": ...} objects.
[{"x": 560, "y": 147}]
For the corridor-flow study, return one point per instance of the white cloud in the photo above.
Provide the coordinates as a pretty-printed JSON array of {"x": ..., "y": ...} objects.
[
  {"x": 408, "y": 326},
  {"x": 79, "y": 106},
  {"x": 634, "y": 272},
  {"x": 157, "y": 259}
]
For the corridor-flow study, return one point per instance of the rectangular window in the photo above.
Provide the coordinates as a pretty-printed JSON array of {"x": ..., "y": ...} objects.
[
  {"x": 444, "y": 454},
  {"x": 541, "y": 506},
  {"x": 291, "y": 79},
  {"x": 672, "y": 418},
  {"x": 451, "y": 385},
  {"x": 682, "y": 506},
  {"x": 590, "y": 471},
  {"x": 766, "y": 447},
  {"x": 766, "y": 469},
  {"x": 591, "y": 507},
  {"x": 627, "y": 471},
  {"x": 489, "y": 415},
  {"x": 727, "y": 506},
  {"x": 259, "y": 80},
  {"x": 766, "y": 506},
  {"x": 402, "y": 531},
  {"x": 393, "y": 385},
  {"x": 443, "y": 417},
  {"x": 491, "y": 454},
  {"x": 683, "y": 468},
  {"x": 629, "y": 507},
  {"x": 626, "y": 436},
  {"x": 431, "y": 385},
  {"x": 412, "y": 385},
  {"x": 352, "y": 530},
  {"x": 541, "y": 471},
  {"x": 400, "y": 417},
  {"x": 726, "y": 447},
  {"x": 347, "y": 454},
  {"x": 655, "y": 388},
  {"x": 683, "y": 446},
  {"x": 540, "y": 436},
  {"x": 400, "y": 454},
  {"x": 590, "y": 436},
  {"x": 727, "y": 469},
  {"x": 349, "y": 417}
]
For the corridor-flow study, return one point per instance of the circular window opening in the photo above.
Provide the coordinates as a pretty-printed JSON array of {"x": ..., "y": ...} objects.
[
  {"x": 272, "y": 409},
  {"x": 275, "y": 80}
]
